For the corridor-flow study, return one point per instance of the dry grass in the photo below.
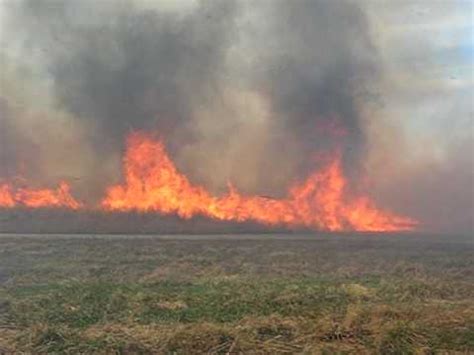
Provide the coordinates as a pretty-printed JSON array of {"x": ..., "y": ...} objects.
[{"x": 235, "y": 295}]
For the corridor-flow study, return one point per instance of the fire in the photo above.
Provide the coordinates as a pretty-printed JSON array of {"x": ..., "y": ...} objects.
[
  {"x": 6, "y": 197},
  {"x": 152, "y": 183},
  {"x": 36, "y": 198}
]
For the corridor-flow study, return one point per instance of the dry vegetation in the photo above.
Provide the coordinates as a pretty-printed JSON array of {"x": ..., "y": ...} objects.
[{"x": 237, "y": 294}]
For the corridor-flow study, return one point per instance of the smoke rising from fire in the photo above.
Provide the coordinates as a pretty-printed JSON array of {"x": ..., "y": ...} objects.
[
  {"x": 117, "y": 67},
  {"x": 247, "y": 92}
]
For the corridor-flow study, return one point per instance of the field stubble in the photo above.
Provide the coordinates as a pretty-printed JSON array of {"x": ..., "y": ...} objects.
[{"x": 270, "y": 294}]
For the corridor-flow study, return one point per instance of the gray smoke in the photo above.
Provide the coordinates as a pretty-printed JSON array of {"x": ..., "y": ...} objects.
[
  {"x": 319, "y": 61},
  {"x": 241, "y": 91}
]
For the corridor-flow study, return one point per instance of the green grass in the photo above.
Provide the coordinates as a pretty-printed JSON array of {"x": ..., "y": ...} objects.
[{"x": 351, "y": 294}]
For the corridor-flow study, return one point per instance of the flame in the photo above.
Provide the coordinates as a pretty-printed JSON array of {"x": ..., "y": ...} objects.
[
  {"x": 6, "y": 197},
  {"x": 152, "y": 183},
  {"x": 36, "y": 198}
]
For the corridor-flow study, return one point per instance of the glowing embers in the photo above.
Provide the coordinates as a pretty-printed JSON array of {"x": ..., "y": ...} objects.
[
  {"x": 37, "y": 198},
  {"x": 152, "y": 183}
]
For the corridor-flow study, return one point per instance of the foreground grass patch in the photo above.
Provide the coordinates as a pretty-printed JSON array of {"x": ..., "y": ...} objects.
[
  {"x": 276, "y": 315},
  {"x": 81, "y": 305},
  {"x": 164, "y": 296}
]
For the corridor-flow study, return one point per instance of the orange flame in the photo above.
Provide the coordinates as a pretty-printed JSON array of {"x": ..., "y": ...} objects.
[
  {"x": 36, "y": 198},
  {"x": 6, "y": 197},
  {"x": 152, "y": 183}
]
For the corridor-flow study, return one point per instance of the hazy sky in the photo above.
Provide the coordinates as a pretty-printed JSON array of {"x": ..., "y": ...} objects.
[{"x": 428, "y": 47}]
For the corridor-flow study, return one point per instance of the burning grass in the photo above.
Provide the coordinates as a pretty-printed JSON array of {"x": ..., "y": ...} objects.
[
  {"x": 250, "y": 294},
  {"x": 152, "y": 183},
  {"x": 321, "y": 202}
]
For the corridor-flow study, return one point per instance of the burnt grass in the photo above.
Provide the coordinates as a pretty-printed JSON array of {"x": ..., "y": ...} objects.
[{"x": 265, "y": 294}]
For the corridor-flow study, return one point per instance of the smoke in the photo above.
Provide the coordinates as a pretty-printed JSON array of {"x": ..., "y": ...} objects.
[
  {"x": 116, "y": 67},
  {"x": 292, "y": 82},
  {"x": 250, "y": 92},
  {"x": 428, "y": 175},
  {"x": 320, "y": 59},
  {"x": 441, "y": 193},
  {"x": 241, "y": 92}
]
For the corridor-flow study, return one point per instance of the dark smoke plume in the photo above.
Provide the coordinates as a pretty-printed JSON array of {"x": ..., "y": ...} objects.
[
  {"x": 242, "y": 91},
  {"x": 319, "y": 60}
]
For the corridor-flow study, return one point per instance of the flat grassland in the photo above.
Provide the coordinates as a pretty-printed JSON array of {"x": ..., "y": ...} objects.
[{"x": 390, "y": 294}]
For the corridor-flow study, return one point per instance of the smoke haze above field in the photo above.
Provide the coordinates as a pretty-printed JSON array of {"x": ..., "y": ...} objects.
[{"x": 244, "y": 91}]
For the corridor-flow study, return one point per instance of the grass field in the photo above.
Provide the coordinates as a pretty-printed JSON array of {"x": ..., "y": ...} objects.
[{"x": 391, "y": 294}]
